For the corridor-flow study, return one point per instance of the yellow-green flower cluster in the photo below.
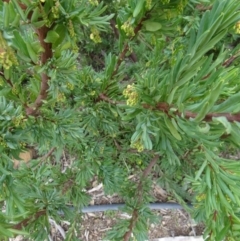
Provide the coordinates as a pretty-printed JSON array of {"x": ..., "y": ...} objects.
[
  {"x": 71, "y": 29},
  {"x": 148, "y": 4},
  {"x": 73, "y": 36},
  {"x": 230, "y": 239},
  {"x": 237, "y": 27},
  {"x": 15, "y": 90},
  {"x": 70, "y": 86},
  {"x": 101, "y": 149},
  {"x": 17, "y": 120},
  {"x": 153, "y": 40},
  {"x": 95, "y": 36},
  {"x": 93, "y": 2},
  {"x": 2, "y": 142},
  {"x": 201, "y": 197},
  {"x": 138, "y": 145},
  {"x": 181, "y": 5},
  {"x": 61, "y": 97},
  {"x": 128, "y": 29},
  {"x": 139, "y": 162},
  {"x": 55, "y": 9},
  {"x": 92, "y": 93},
  {"x": 131, "y": 94},
  {"x": 22, "y": 144},
  {"x": 165, "y": 1},
  {"x": 75, "y": 49},
  {"x": 7, "y": 56}
]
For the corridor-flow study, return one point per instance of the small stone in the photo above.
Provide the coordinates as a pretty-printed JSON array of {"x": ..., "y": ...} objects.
[{"x": 152, "y": 225}]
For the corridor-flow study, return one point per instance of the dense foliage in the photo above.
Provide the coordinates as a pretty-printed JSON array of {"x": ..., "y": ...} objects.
[{"x": 124, "y": 87}]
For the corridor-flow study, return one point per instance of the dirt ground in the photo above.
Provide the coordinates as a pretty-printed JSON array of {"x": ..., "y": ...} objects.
[{"x": 171, "y": 223}]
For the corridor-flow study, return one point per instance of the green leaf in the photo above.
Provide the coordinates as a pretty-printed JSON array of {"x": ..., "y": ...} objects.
[
  {"x": 152, "y": 26},
  {"x": 5, "y": 232},
  {"x": 19, "y": 9},
  {"x": 225, "y": 189},
  {"x": 200, "y": 171},
  {"x": 224, "y": 231},
  {"x": 138, "y": 8},
  {"x": 202, "y": 113},
  {"x": 52, "y": 37},
  {"x": 172, "y": 128},
  {"x": 34, "y": 57},
  {"x": 208, "y": 177},
  {"x": 136, "y": 135},
  {"x": 223, "y": 120}
]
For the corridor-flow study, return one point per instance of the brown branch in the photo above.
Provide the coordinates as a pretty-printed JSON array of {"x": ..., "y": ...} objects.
[
  {"x": 165, "y": 107},
  {"x": 134, "y": 218},
  {"x": 226, "y": 63},
  {"x": 126, "y": 46},
  {"x": 7, "y": 80},
  {"x": 229, "y": 61},
  {"x": 26, "y": 221},
  {"x": 107, "y": 99},
  {"x": 203, "y": 8},
  {"x": 43, "y": 158},
  {"x": 115, "y": 30},
  {"x": 150, "y": 166},
  {"x": 120, "y": 59},
  {"x": 132, "y": 55},
  {"x": 45, "y": 56}
]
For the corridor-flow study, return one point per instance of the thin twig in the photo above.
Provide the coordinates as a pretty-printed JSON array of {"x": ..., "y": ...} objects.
[
  {"x": 126, "y": 46},
  {"x": 132, "y": 55},
  {"x": 43, "y": 158},
  {"x": 134, "y": 218},
  {"x": 7, "y": 80},
  {"x": 229, "y": 61},
  {"x": 165, "y": 107},
  {"x": 26, "y": 221},
  {"x": 107, "y": 99}
]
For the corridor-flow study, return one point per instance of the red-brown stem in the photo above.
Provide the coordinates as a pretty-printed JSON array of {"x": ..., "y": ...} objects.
[
  {"x": 132, "y": 56},
  {"x": 26, "y": 221},
  {"x": 45, "y": 56},
  {"x": 115, "y": 30},
  {"x": 165, "y": 107},
  {"x": 43, "y": 158},
  {"x": 229, "y": 61},
  {"x": 134, "y": 218},
  {"x": 7, "y": 80},
  {"x": 120, "y": 59},
  {"x": 107, "y": 99},
  {"x": 126, "y": 46}
]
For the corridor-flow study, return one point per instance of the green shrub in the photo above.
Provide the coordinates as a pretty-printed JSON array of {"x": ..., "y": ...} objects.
[{"x": 124, "y": 87}]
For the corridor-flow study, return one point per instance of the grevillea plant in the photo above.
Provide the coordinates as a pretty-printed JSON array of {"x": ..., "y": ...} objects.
[{"x": 148, "y": 88}]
